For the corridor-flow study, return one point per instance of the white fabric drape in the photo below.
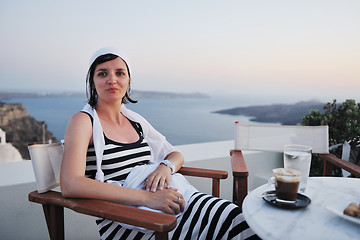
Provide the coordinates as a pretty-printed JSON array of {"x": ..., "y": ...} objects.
[{"x": 158, "y": 144}]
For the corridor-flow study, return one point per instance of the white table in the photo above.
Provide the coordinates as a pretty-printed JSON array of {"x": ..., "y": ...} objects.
[{"x": 313, "y": 222}]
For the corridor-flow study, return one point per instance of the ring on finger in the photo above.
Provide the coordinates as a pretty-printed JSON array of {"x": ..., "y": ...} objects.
[{"x": 178, "y": 200}]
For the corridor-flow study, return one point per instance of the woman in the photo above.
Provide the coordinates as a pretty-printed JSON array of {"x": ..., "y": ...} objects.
[{"x": 107, "y": 142}]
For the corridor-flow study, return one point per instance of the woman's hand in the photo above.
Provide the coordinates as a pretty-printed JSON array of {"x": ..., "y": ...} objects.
[
  {"x": 168, "y": 201},
  {"x": 159, "y": 179}
]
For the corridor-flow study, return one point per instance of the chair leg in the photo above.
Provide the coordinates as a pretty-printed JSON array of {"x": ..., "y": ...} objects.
[
  {"x": 235, "y": 191},
  {"x": 216, "y": 187},
  {"x": 54, "y": 216},
  {"x": 240, "y": 189},
  {"x": 328, "y": 168},
  {"x": 161, "y": 236}
]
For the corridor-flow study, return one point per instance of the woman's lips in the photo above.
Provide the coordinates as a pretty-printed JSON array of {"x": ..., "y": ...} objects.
[{"x": 112, "y": 90}]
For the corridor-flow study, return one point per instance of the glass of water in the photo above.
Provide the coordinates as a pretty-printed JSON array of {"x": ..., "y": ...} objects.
[{"x": 298, "y": 157}]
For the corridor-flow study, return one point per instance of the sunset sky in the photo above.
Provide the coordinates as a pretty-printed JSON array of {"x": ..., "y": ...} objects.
[{"x": 294, "y": 50}]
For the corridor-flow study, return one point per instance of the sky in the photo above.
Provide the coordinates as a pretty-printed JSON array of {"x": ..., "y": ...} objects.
[{"x": 289, "y": 50}]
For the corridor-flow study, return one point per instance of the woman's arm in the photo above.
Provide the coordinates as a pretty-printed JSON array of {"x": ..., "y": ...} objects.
[
  {"x": 177, "y": 158},
  {"x": 74, "y": 184}
]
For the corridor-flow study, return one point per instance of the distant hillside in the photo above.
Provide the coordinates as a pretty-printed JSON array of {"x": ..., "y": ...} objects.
[
  {"x": 166, "y": 95},
  {"x": 10, "y": 95},
  {"x": 285, "y": 114},
  {"x": 134, "y": 94},
  {"x": 22, "y": 129}
]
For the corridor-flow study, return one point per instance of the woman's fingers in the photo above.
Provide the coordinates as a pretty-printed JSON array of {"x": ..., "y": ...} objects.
[
  {"x": 155, "y": 183},
  {"x": 181, "y": 203},
  {"x": 147, "y": 184},
  {"x": 162, "y": 183},
  {"x": 175, "y": 208},
  {"x": 168, "y": 200},
  {"x": 152, "y": 183},
  {"x": 159, "y": 179},
  {"x": 177, "y": 205}
]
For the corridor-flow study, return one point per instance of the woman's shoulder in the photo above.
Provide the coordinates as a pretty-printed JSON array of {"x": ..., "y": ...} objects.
[
  {"x": 79, "y": 129},
  {"x": 81, "y": 118}
]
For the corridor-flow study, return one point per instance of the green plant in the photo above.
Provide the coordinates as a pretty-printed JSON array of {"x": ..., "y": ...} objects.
[{"x": 344, "y": 125}]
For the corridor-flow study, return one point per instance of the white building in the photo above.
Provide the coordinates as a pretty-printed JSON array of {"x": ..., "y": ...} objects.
[
  {"x": 2, "y": 136},
  {"x": 8, "y": 153}
]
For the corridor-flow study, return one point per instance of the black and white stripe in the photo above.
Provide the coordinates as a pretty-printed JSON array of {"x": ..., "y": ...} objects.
[
  {"x": 206, "y": 217},
  {"x": 119, "y": 159}
]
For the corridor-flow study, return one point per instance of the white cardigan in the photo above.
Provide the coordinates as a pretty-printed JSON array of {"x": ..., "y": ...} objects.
[{"x": 158, "y": 144}]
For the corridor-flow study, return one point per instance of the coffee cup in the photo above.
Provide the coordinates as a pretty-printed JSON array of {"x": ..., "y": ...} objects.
[{"x": 286, "y": 183}]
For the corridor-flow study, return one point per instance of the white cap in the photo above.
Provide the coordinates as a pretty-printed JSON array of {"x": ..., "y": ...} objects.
[{"x": 103, "y": 51}]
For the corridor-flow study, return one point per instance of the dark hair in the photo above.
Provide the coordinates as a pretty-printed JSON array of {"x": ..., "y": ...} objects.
[{"x": 90, "y": 86}]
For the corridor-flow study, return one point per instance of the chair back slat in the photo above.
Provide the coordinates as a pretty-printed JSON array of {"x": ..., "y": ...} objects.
[{"x": 273, "y": 137}]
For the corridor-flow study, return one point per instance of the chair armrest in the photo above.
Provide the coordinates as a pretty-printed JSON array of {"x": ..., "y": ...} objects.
[
  {"x": 238, "y": 164},
  {"x": 334, "y": 160},
  {"x": 159, "y": 222},
  {"x": 240, "y": 177},
  {"x": 215, "y": 175},
  {"x": 201, "y": 172}
]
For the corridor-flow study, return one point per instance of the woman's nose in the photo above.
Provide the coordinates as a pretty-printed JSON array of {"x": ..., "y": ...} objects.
[{"x": 112, "y": 79}]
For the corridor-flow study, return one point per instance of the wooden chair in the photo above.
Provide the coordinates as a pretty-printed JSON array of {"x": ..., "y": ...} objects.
[
  {"x": 269, "y": 138},
  {"x": 53, "y": 202},
  {"x": 331, "y": 161}
]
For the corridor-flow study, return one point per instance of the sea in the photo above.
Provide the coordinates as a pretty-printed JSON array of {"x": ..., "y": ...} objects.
[{"x": 180, "y": 120}]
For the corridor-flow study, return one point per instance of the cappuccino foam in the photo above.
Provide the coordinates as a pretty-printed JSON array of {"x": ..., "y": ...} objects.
[{"x": 287, "y": 175}]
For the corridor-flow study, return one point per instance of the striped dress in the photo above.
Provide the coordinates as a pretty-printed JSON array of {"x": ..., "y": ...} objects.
[{"x": 206, "y": 217}]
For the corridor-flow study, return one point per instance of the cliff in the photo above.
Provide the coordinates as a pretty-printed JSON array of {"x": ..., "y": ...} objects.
[
  {"x": 22, "y": 129},
  {"x": 9, "y": 112}
]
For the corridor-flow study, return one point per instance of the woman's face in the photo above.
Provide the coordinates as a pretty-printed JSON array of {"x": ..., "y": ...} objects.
[{"x": 111, "y": 80}]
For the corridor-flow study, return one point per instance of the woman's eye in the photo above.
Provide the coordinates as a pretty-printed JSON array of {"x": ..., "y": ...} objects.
[
  {"x": 120, "y": 73},
  {"x": 102, "y": 74}
]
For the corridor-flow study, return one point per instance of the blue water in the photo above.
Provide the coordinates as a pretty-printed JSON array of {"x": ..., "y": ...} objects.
[{"x": 182, "y": 121}]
